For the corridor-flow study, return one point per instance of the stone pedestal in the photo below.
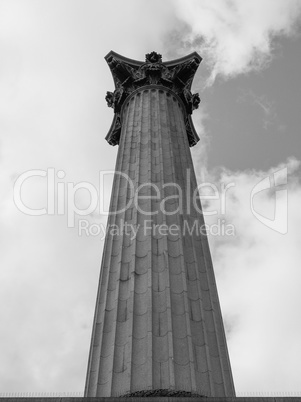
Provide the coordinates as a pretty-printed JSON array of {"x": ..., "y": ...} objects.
[{"x": 158, "y": 324}]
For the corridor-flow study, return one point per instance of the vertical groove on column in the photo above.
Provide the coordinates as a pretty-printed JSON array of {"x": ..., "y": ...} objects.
[
  {"x": 156, "y": 297},
  {"x": 192, "y": 286},
  {"x": 186, "y": 374},
  {"x": 163, "y": 343},
  {"x": 138, "y": 308},
  {"x": 121, "y": 374},
  {"x": 173, "y": 254},
  {"x": 132, "y": 218},
  {"x": 192, "y": 292},
  {"x": 134, "y": 103},
  {"x": 167, "y": 168},
  {"x": 199, "y": 336},
  {"x": 121, "y": 369},
  {"x": 148, "y": 217},
  {"x": 160, "y": 335},
  {"x": 142, "y": 323}
]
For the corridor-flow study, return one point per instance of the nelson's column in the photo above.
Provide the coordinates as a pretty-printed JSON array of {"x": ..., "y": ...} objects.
[{"x": 158, "y": 328}]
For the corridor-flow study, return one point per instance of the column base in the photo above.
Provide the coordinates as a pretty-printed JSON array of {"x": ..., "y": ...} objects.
[{"x": 161, "y": 393}]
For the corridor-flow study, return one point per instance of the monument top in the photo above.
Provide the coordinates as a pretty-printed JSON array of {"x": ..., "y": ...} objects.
[
  {"x": 176, "y": 76},
  {"x": 183, "y": 68}
]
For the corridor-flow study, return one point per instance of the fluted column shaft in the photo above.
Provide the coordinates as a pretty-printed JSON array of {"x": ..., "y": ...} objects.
[{"x": 157, "y": 323}]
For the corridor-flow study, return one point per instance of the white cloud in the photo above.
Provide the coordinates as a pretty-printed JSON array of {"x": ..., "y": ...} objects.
[{"x": 234, "y": 36}]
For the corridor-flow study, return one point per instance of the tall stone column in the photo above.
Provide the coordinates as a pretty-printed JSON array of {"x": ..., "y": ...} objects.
[{"x": 158, "y": 324}]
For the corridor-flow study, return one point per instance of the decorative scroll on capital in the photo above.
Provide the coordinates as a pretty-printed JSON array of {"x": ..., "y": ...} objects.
[{"x": 129, "y": 75}]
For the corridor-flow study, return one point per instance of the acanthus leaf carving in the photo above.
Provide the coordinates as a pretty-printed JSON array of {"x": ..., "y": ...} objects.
[
  {"x": 153, "y": 57},
  {"x": 115, "y": 99},
  {"x": 192, "y": 101}
]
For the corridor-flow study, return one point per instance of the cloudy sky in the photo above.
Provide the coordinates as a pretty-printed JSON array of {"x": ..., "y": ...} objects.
[{"x": 53, "y": 79}]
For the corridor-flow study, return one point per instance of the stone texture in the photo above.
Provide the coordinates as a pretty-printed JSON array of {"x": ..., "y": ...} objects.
[{"x": 158, "y": 322}]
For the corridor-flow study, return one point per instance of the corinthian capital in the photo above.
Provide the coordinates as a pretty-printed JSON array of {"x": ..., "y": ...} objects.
[{"x": 176, "y": 75}]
